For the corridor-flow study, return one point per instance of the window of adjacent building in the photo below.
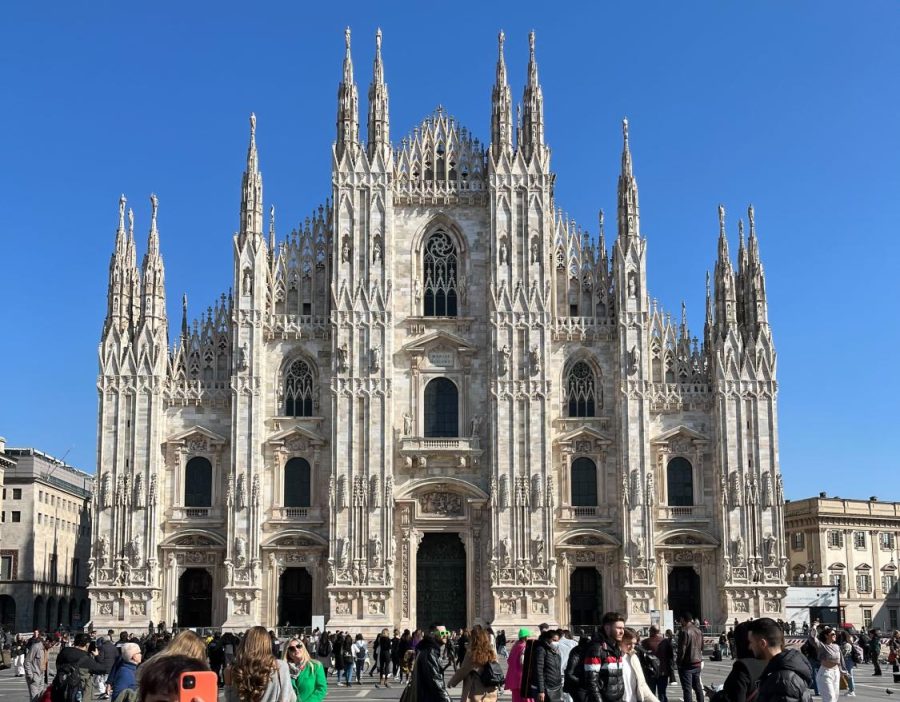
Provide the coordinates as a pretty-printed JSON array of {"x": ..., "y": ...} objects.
[
  {"x": 441, "y": 408},
  {"x": 680, "y": 482},
  {"x": 198, "y": 483},
  {"x": 580, "y": 391},
  {"x": 298, "y": 390},
  {"x": 859, "y": 539},
  {"x": 838, "y": 579},
  {"x": 798, "y": 541},
  {"x": 892, "y": 617},
  {"x": 864, "y": 582},
  {"x": 4, "y": 493},
  {"x": 297, "y": 483},
  {"x": 584, "y": 483},
  {"x": 16, "y": 516},
  {"x": 6, "y": 567},
  {"x": 886, "y": 540},
  {"x": 835, "y": 538},
  {"x": 867, "y": 617},
  {"x": 441, "y": 265},
  {"x": 17, "y": 493},
  {"x": 888, "y": 582}
]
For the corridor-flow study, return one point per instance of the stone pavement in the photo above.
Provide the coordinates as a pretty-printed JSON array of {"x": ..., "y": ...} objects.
[{"x": 868, "y": 687}]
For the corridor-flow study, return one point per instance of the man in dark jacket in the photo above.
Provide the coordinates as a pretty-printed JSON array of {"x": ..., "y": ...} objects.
[
  {"x": 603, "y": 662},
  {"x": 545, "y": 683},
  {"x": 661, "y": 682},
  {"x": 77, "y": 657},
  {"x": 107, "y": 653},
  {"x": 875, "y": 650},
  {"x": 786, "y": 677},
  {"x": 428, "y": 674},
  {"x": 689, "y": 657}
]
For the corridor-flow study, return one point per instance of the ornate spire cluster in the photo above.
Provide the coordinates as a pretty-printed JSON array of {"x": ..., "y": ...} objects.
[
  {"x": 252, "y": 190},
  {"x": 532, "y": 107},
  {"x": 153, "y": 272},
  {"x": 629, "y": 219},
  {"x": 348, "y": 106},
  {"x": 501, "y": 106}
]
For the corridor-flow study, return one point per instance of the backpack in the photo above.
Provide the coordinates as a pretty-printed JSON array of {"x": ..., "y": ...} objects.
[
  {"x": 67, "y": 685},
  {"x": 856, "y": 653},
  {"x": 324, "y": 647},
  {"x": 649, "y": 663},
  {"x": 491, "y": 675}
]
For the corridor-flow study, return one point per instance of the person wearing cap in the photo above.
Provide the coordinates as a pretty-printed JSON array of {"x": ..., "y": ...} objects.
[{"x": 515, "y": 661}]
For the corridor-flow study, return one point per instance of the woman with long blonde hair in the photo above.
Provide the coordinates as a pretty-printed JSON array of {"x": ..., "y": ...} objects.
[
  {"x": 478, "y": 654},
  {"x": 256, "y": 675},
  {"x": 186, "y": 643},
  {"x": 307, "y": 675}
]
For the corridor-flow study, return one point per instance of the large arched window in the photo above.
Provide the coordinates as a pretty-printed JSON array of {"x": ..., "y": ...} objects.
[
  {"x": 584, "y": 483},
  {"x": 296, "y": 483},
  {"x": 198, "y": 483},
  {"x": 298, "y": 390},
  {"x": 580, "y": 391},
  {"x": 441, "y": 265},
  {"x": 680, "y": 482},
  {"x": 441, "y": 408}
]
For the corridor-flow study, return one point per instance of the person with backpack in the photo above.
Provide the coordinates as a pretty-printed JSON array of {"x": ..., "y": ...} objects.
[
  {"x": 323, "y": 651},
  {"x": 636, "y": 687},
  {"x": 786, "y": 677},
  {"x": 360, "y": 654},
  {"x": 74, "y": 668},
  {"x": 479, "y": 671},
  {"x": 651, "y": 645}
]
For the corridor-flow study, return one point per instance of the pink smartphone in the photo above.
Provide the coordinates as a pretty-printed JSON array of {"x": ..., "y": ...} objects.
[{"x": 203, "y": 685}]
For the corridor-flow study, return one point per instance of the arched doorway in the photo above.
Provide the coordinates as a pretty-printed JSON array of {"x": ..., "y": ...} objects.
[
  {"x": 50, "y": 622},
  {"x": 37, "y": 616},
  {"x": 441, "y": 581},
  {"x": 7, "y": 613},
  {"x": 295, "y": 597},
  {"x": 684, "y": 592},
  {"x": 195, "y": 598},
  {"x": 585, "y": 597},
  {"x": 62, "y": 612}
]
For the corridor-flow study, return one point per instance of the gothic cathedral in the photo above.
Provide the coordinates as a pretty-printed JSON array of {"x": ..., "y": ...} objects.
[{"x": 438, "y": 399}]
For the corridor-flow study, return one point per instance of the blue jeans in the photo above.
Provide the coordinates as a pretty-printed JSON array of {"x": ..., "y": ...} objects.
[
  {"x": 690, "y": 680},
  {"x": 659, "y": 687}
]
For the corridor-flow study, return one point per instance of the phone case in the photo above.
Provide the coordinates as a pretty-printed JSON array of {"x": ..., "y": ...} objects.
[{"x": 206, "y": 687}]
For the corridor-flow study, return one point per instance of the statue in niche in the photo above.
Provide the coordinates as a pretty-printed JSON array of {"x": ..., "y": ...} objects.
[
  {"x": 768, "y": 493},
  {"x": 651, "y": 489},
  {"x": 534, "y": 359},
  {"x": 752, "y": 491},
  {"x": 376, "y": 550},
  {"x": 407, "y": 424},
  {"x": 376, "y": 250},
  {"x": 505, "y": 355},
  {"x": 345, "y": 552},
  {"x": 240, "y": 551},
  {"x": 756, "y": 570},
  {"x": 123, "y": 575},
  {"x": 120, "y": 490},
  {"x": 504, "y": 253},
  {"x": 376, "y": 359},
  {"x": 538, "y": 551},
  {"x": 779, "y": 489},
  {"x": 247, "y": 284},
  {"x": 504, "y": 492},
  {"x": 632, "y": 284},
  {"x": 103, "y": 551},
  {"x": 723, "y": 486},
  {"x": 243, "y": 363},
  {"x": 535, "y": 251},
  {"x": 634, "y": 360},
  {"x": 254, "y": 492},
  {"x": 476, "y": 425},
  {"x": 136, "y": 551},
  {"x": 241, "y": 496},
  {"x": 505, "y": 552},
  {"x": 739, "y": 551},
  {"x": 345, "y": 249},
  {"x": 229, "y": 571},
  {"x": 139, "y": 491},
  {"x": 105, "y": 489},
  {"x": 332, "y": 576},
  {"x": 639, "y": 550},
  {"x": 343, "y": 364},
  {"x": 769, "y": 549}
]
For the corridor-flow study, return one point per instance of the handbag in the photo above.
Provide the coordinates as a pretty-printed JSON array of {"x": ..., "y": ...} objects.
[{"x": 845, "y": 681}]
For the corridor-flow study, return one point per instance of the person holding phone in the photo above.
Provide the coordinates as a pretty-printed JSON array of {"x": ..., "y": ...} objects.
[
  {"x": 307, "y": 675},
  {"x": 162, "y": 680}
]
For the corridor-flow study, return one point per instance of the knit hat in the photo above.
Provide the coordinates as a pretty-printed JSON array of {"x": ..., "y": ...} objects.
[{"x": 524, "y": 633}]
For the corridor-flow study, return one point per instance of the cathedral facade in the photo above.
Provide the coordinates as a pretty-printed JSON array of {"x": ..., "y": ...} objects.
[{"x": 436, "y": 399}]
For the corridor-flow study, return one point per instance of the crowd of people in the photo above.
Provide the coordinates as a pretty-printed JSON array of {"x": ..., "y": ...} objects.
[{"x": 615, "y": 664}]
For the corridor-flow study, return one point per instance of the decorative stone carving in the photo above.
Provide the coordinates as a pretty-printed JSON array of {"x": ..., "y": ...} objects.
[
  {"x": 375, "y": 551},
  {"x": 651, "y": 489},
  {"x": 407, "y": 424},
  {"x": 537, "y": 491},
  {"x": 504, "y": 552},
  {"x": 551, "y": 498},
  {"x": 504, "y": 492},
  {"x": 254, "y": 491},
  {"x": 626, "y": 490},
  {"x": 752, "y": 491},
  {"x": 476, "y": 425},
  {"x": 445, "y": 504},
  {"x": 342, "y": 492},
  {"x": 634, "y": 360},
  {"x": 375, "y": 491},
  {"x": 343, "y": 353},
  {"x": 739, "y": 550},
  {"x": 136, "y": 551},
  {"x": 505, "y": 355},
  {"x": 779, "y": 490},
  {"x": 769, "y": 549},
  {"x": 241, "y": 494},
  {"x": 737, "y": 492},
  {"x": 537, "y": 552},
  {"x": 768, "y": 492},
  {"x": 376, "y": 359},
  {"x": 534, "y": 360},
  {"x": 240, "y": 551},
  {"x": 637, "y": 497},
  {"x": 103, "y": 551}
]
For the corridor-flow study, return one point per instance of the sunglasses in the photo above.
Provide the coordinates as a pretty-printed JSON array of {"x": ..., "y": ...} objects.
[{"x": 293, "y": 648}]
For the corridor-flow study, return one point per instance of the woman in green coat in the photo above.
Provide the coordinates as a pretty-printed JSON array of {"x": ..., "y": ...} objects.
[{"x": 307, "y": 675}]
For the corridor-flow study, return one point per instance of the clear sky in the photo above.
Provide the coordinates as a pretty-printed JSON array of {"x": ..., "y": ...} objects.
[{"x": 793, "y": 106}]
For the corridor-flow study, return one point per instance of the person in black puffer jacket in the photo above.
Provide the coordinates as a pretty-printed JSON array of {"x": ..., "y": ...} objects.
[
  {"x": 545, "y": 683},
  {"x": 428, "y": 676},
  {"x": 603, "y": 662},
  {"x": 573, "y": 678},
  {"x": 786, "y": 677}
]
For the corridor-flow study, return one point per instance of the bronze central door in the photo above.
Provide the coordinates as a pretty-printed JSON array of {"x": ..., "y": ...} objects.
[{"x": 441, "y": 582}]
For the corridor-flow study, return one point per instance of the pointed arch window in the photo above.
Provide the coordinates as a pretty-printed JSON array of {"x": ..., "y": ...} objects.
[
  {"x": 581, "y": 391},
  {"x": 441, "y": 408},
  {"x": 441, "y": 265},
  {"x": 198, "y": 483},
  {"x": 584, "y": 483},
  {"x": 680, "y": 482},
  {"x": 297, "y": 475},
  {"x": 298, "y": 390}
]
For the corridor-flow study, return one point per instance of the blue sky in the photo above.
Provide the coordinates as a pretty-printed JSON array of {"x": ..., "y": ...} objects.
[{"x": 791, "y": 106}]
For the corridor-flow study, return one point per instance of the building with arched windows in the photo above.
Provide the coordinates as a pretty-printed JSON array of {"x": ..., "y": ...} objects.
[{"x": 436, "y": 399}]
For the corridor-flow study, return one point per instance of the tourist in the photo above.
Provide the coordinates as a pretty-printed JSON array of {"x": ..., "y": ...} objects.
[
  {"x": 479, "y": 654},
  {"x": 786, "y": 677},
  {"x": 256, "y": 675},
  {"x": 160, "y": 678},
  {"x": 501, "y": 643},
  {"x": 381, "y": 653},
  {"x": 603, "y": 681},
  {"x": 828, "y": 654},
  {"x": 324, "y": 650},
  {"x": 186, "y": 643},
  {"x": 125, "y": 676},
  {"x": 76, "y": 660},
  {"x": 107, "y": 655},
  {"x": 875, "y": 650},
  {"x": 18, "y": 653},
  {"x": 514, "y": 666},
  {"x": 337, "y": 650},
  {"x": 428, "y": 677},
  {"x": 545, "y": 682},
  {"x": 651, "y": 644},
  {"x": 689, "y": 658},
  {"x": 745, "y": 671},
  {"x": 396, "y": 655},
  {"x": 635, "y": 683},
  {"x": 360, "y": 653},
  {"x": 566, "y": 645},
  {"x": 307, "y": 675},
  {"x": 846, "y": 643}
]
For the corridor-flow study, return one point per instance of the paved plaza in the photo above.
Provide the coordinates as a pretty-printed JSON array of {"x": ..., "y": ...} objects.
[{"x": 868, "y": 687}]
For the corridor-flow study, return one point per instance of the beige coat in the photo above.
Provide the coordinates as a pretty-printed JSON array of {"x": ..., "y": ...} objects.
[
  {"x": 472, "y": 690},
  {"x": 642, "y": 691}
]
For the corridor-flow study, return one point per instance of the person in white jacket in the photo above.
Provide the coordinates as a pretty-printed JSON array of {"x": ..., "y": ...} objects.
[{"x": 636, "y": 687}]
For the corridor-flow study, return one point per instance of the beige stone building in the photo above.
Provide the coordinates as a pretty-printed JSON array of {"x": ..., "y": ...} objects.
[
  {"x": 437, "y": 398},
  {"x": 851, "y": 544},
  {"x": 45, "y": 549}
]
